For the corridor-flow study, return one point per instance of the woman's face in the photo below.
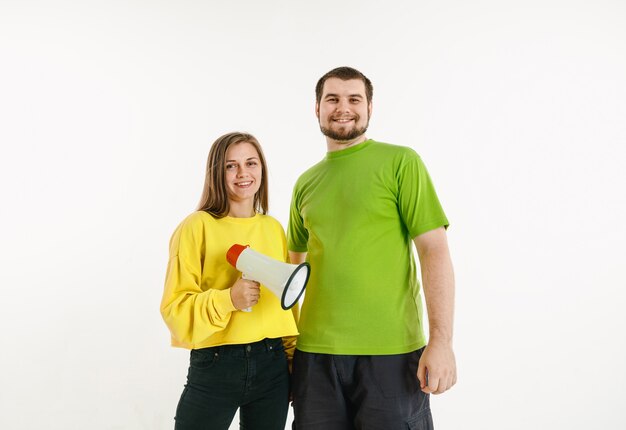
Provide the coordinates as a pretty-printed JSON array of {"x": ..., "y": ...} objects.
[{"x": 243, "y": 172}]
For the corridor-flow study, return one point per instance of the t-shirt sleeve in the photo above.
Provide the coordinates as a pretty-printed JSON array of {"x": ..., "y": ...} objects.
[
  {"x": 418, "y": 203},
  {"x": 297, "y": 234}
]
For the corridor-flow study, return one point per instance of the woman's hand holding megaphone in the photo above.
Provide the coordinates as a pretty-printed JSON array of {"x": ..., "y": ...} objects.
[{"x": 245, "y": 293}]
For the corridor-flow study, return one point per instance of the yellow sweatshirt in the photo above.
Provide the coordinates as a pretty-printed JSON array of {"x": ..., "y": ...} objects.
[{"x": 196, "y": 304}]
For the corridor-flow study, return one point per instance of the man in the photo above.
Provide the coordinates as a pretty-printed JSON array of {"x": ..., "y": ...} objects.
[{"x": 362, "y": 359}]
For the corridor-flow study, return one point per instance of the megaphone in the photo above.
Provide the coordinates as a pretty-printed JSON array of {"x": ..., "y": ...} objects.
[{"x": 286, "y": 281}]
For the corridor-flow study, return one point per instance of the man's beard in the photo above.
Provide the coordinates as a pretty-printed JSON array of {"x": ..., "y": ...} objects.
[{"x": 344, "y": 134}]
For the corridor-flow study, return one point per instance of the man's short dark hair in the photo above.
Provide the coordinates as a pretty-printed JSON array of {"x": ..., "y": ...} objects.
[{"x": 344, "y": 73}]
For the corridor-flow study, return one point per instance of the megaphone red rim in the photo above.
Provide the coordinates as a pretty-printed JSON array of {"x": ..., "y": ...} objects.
[{"x": 233, "y": 253}]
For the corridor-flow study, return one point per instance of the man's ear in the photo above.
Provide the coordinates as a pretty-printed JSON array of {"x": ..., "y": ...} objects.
[
  {"x": 317, "y": 110},
  {"x": 369, "y": 109}
]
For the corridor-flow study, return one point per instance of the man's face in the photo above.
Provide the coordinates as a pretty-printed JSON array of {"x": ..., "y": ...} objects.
[{"x": 343, "y": 111}]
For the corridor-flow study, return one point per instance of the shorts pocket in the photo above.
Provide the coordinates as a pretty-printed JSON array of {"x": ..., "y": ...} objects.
[
  {"x": 396, "y": 375},
  {"x": 423, "y": 421}
]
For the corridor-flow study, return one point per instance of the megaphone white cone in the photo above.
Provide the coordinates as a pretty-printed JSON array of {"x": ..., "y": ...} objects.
[{"x": 286, "y": 281}]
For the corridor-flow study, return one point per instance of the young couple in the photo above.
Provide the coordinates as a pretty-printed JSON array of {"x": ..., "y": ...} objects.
[{"x": 361, "y": 359}]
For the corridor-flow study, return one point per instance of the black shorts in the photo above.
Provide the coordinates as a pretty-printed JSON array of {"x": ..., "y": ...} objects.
[{"x": 340, "y": 392}]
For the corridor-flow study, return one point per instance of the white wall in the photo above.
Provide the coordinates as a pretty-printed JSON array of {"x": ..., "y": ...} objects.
[{"x": 107, "y": 112}]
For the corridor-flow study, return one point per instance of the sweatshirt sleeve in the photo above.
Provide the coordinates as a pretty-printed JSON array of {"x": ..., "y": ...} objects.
[
  {"x": 289, "y": 343},
  {"x": 191, "y": 314}
]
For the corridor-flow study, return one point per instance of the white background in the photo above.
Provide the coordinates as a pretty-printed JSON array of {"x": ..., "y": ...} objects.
[{"x": 107, "y": 112}]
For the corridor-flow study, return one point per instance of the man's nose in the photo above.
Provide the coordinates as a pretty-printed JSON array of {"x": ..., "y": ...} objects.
[{"x": 342, "y": 106}]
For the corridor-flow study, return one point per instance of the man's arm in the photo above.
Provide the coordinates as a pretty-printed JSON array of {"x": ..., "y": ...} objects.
[
  {"x": 437, "y": 367},
  {"x": 297, "y": 257}
]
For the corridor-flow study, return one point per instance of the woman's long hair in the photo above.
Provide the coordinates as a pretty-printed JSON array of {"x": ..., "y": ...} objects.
[{"x": 214, "y": 198}]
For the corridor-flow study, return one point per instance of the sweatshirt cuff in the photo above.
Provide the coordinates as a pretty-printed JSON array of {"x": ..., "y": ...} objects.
[{"x": 223, "y": 303}]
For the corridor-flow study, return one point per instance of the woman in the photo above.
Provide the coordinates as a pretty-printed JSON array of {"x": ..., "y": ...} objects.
[{"x": 238, "y": 359}]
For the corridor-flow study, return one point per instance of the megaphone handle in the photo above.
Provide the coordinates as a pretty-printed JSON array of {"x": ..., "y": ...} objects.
[{"x": 246, "y": 309}]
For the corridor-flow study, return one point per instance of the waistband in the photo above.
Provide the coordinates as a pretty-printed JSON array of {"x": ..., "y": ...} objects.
[{"x": 243, "y": 349}]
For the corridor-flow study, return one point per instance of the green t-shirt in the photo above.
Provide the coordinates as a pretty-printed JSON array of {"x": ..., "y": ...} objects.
[{"x": 356, "y": 213}]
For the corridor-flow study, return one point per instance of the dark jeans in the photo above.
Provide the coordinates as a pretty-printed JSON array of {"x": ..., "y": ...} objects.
[
  {"x": 252, "y": 377},
  {"x": 342, "y": 392}
]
